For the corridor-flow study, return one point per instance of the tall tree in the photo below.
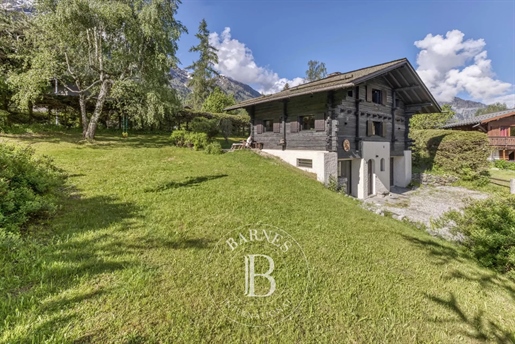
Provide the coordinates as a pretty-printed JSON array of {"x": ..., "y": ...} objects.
[
  {"x": 202, "y": 79},
  {"x": 491, "y": 109},
  {"x": 316, "y": 70},
  {"x": 432, "y": 120},
  {"x": 217, "y": 101},
  {"x": 13, "y": 27},
  {"x": 93, "y": 46}
]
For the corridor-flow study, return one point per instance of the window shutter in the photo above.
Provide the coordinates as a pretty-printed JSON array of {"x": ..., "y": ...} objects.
[
  {"x": 259, "y": 129},
  {"x": 294, "y": 127},
  {"x": 369, "y": 93},
  {"x": 370, "y": 128},
  {"x": 383, "y": 127},
  {"x": 277, "y": 127},
  {"x": 383, "y": 97},
  {"x": 319, "y": 125}
]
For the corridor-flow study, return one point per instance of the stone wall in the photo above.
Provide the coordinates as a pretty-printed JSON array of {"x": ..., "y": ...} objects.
[{"x": 433, "y": 180}]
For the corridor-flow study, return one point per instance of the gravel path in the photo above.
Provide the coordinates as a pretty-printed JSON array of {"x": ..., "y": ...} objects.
[{"x": 423, "y": 204}]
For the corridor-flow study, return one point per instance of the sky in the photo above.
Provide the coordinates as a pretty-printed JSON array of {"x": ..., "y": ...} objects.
[{"x": 459, "y": 48}]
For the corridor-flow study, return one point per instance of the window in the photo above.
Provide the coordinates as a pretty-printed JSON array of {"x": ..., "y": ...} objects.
[
  {"x": 512, "y": 131},
  {"x": 307, "y": 163},
  {"x": 269, "y": 125},
  {"x": 382, "y": 165},
  {"x": 307, "y": 122},
  {"x": 349, "y": 93},
  {"x": 504, "y": 131},
  {"x": 376, "y": 128},
  {"x": 377, "y": 96}
]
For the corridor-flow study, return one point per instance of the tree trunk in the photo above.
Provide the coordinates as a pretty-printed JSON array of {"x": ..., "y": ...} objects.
[
  {"x": 83, "y": 114},
  {"x": 102, "y": 96}
]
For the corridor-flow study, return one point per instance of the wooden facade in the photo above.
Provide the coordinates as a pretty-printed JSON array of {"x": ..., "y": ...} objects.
[
  {"x": 351, "y": 126},
  {"x": 338, "y": 115},
  {"x": 500, "y": 128}
]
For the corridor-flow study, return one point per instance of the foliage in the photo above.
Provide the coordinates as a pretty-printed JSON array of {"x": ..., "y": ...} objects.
[
  {"x": 217, "y": 101},
  {"x": 202, "y": 81},
  {"x": 226, "y": 128},
  {"x": 504, "y": 165},
  {"x": 182, "y": 138},
  {"x": 206, "y": 126},
  {"x": 90, "y": 46},
  {"x": 214, "y": 148},
  {"x": 13, "y": 51},
  {"x": 28, "y": 187},
  {"x": 489, "y": 227},
  {"x": 496, "y": 107},
  {"x": 316, "y": 70},
  {"x": 432, "y": 120},
  {"x": 286, "y": 87},
  {"x": 463, "y": 153}
]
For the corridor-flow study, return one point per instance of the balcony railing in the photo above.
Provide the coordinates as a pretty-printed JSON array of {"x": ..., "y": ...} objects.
[{"x": 502, "y": 141}]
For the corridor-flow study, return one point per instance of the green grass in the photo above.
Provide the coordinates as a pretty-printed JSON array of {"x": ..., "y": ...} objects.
[
  {"x": 503, "y": 174},
  {"x": 126, "y": 258}
]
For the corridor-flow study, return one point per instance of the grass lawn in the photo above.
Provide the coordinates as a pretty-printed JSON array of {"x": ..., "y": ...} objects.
[
  {"x": 126, "y": 259},
  {"x": 503, "y": 174}
]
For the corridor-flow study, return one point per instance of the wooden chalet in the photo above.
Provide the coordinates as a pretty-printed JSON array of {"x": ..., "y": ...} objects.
[
  {"x": 351, "y": 126},
  {"x": 500, "y": 127}
]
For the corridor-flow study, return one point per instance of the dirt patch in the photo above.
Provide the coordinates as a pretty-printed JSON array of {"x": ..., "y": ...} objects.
[{"x": 424, "y": 204}]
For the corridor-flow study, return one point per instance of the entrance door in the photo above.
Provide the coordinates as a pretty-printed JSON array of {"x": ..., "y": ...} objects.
[
  {"x": 346, "y": 171},
  {"x": 391, "y": 172},
  {"x": 370, "y": 164}
]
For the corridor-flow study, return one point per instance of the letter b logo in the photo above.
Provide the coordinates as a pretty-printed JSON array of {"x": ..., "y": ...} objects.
[{"x": 250, "y": 275}]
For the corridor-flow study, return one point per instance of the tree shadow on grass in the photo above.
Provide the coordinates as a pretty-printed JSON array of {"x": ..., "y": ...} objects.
[
  {"x": 479, "y": 327},
  {"x": 188, "y": 182}
]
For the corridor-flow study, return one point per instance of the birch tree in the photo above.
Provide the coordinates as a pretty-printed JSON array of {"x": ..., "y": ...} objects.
[{"x": 92, "y": 46}]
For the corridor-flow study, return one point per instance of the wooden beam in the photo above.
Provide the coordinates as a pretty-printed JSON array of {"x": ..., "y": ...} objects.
[
  {"x": 419, "y": 105},
  {"x": 407, "y": 88}
]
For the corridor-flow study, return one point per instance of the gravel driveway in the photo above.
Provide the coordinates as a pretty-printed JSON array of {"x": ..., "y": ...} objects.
[{"x": 423, "y": 204}]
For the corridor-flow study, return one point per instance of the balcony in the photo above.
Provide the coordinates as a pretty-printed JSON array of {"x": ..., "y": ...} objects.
[{"x": 502, "y": 141}]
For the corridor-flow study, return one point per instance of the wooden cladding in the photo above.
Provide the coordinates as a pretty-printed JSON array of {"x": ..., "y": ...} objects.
[{"x": 277, "y": 128}]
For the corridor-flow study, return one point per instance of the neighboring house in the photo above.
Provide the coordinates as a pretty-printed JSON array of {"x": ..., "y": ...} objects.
[
  {"x": 500, "y": 127},
  {"x": 351, "y": 126}
]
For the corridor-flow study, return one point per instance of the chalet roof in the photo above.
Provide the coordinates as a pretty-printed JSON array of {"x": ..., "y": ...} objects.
[
  {"x": 481, "y": 119},
  {"x": 399, "y": 74}
]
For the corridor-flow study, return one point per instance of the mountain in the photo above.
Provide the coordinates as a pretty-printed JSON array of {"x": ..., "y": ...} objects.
[
  {"x": 17, "y": 5},
  {"x": 464, "y": 109},
  {"x": 241, "y": 91}
]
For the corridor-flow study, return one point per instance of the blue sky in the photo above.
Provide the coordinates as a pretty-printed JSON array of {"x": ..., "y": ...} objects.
[{"x": 470, "y": 53}]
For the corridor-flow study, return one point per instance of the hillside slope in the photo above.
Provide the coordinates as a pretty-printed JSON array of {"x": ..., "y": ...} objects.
[{"x": 128, "y": 257}]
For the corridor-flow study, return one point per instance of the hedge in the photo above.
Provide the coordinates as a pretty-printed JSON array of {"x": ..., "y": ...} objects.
[{"x": 463, "y": 153}]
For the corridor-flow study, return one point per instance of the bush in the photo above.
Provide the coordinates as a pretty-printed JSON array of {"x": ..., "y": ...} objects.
[
  {"x": 197, "y": 140},
  {"x": 181, "y": 138},
  {"x": 178, "y": 138},
  {"x": 489, "y": 227},
  {"x": 28, "y": 187},
  {"x": 463, "y": 153},
  {"x": 504, "y": 165},
  {"x": 214, "y": 148},
  {"x": 206, "y": 126}
]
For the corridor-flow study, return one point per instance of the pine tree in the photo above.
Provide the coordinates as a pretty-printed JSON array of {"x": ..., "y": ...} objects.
[
  {"x": 202, "y": 81},
  {"x": 316, "y": 70}
]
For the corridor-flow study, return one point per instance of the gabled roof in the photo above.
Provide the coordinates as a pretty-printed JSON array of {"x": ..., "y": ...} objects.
[
  {"x": 403, "y": 79},
  {"x": 481, "y": 119}
]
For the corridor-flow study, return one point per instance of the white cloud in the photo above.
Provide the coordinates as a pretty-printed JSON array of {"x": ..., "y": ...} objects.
[
  {"x": 236, "y": 61},
  {"x": 449, "y": 65}
]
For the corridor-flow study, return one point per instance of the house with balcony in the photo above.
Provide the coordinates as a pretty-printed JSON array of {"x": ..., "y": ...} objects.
[
  {"x": 350, "y": 126},
  {"x": 500, "y": 127}
]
